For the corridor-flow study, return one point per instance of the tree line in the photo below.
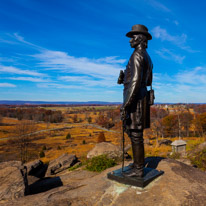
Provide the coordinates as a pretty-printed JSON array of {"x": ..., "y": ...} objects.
[
  {"x": 36, "y": 114},
  {"x": 178, "y": 121},
  {"x": 181, "y": 122}
]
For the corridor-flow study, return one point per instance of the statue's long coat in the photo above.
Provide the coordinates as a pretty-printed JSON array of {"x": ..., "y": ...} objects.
[{"x": 137, "y": 76}]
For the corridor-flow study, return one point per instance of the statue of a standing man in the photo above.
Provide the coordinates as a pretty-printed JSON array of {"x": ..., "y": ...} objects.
[{"x": 137, "y": 100}]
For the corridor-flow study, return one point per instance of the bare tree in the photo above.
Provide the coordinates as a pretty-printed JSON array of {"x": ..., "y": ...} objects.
[
  {"x": 186, "y": 121},
  {"x": 179, "y": 110},
  {"x": 24, "y": 133},
  {"x": 1, "y": 118},
  {"x": 184, "y": 118},
  {"x": 200, "y": 124},
  {"x": 157, "y": 126}
]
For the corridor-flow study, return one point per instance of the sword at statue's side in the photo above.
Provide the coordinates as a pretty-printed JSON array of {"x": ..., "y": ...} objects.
[{"x": 123, "y": 117}]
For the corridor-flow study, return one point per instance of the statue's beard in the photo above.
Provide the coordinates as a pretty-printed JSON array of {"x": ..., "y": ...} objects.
[{"x": 135, "y": 44}]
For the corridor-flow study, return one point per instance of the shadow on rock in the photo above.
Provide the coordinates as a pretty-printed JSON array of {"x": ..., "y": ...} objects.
[
  {"x": 152, "y": 162},
  {"x": 44, "y": 185}
]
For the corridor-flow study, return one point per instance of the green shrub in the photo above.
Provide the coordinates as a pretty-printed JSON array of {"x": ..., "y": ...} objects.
[
  {"x": 41, "y": 154},
  {"x": 175, "y": 155},
  {"x": 83, "y": 142},
  {"x": 68, "y": 136},
  {"x": 44, "y": 147},
  {"x": 75, "y": 167},
  {"x": 89, "y": 120},
  {"x": 199, "y": 159},
  {"x": 100, "y": 163}
]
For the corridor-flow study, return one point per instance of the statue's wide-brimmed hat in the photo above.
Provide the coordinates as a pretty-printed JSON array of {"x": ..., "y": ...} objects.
[{"x": 139, "y": 29}]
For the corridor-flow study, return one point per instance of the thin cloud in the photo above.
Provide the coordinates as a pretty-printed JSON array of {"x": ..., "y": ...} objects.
[
  {"x": 30, "y": 79},
  {"x": 179, "y": 41},
  {"x": 197, "y": 76},
  {"x": 85, "y": 71},
  {"x": 57, "y": 60},
  {"x": 5, "y": 59},
  {"x": 59, "y": 86},
  {"x": 158, "y": 5},
  {"x": 7, "y": 85},
  {"x": 169, "y": 55},
  {"x": 102, "y": 72},
  {"x": 192, "y": 77},
  {"x": 6, "y": 41},
  {"x": 111, "y": 60},
  {"x": 14, "y": 70},
  {"x": 162, "y": 34},
  {"x": 15, "y": 38},
  {"x": 20, "y": 38},
  {"x": 187, "y": 85},
  {"x": 88, "y": 81}
]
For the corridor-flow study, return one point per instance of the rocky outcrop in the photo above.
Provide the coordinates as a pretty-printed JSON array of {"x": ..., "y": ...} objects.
[
  {"x": 35, "y": 171},
  {"x": 36, "y": 168},
  {"x": 13, "y": 181},
  {"x": 105, "y": 148},
  {"x": 63, "y": 162},
  {"x": 165, "y": 142},
  {"x": 202, "y": 146},
  {"x": 17, "y": 181},
  {"x": 179, "y": 185}
]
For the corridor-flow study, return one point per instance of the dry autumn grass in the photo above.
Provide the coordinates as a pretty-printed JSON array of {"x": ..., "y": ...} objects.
[
  {"x": 52, "y": 136},
  {"x": 83, "y": 135}
]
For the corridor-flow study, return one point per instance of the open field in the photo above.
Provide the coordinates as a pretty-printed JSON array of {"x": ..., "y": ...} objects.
[
  {"x": 52, "y": 136},
  {"x": 84, "y": 126}
]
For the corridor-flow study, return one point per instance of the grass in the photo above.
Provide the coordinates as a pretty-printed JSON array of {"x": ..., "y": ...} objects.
[
  {"x": 175, "y": 155},
  {"x": 75, "y": 167},
  {"x": 192, "y": 143},
  {"x": 161, "y": 151},
  {"x": 41, "y": 154},
  {"x": 199, "y": 159}
]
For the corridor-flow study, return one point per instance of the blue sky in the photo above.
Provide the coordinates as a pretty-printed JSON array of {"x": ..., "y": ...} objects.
[{"x": 65, "y": 50}]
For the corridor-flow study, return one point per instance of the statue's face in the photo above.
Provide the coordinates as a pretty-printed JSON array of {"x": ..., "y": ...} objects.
[{"x": 134, "y": 41}]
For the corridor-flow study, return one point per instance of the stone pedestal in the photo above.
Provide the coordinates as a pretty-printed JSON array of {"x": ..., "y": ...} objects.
[{"x": 149, "y": 175}]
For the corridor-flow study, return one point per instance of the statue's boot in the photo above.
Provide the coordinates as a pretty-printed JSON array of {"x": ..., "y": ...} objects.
[{"x": 137, "y": 168}]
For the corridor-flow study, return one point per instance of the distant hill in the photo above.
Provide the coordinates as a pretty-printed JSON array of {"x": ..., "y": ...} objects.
[{"x": 19, "y": 102}]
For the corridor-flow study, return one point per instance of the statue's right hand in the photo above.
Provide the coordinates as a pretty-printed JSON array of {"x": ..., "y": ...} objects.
[{"x": 122, "y": 113}]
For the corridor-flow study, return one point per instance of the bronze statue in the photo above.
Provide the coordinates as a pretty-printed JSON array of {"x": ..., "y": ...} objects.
[{"x": 135, "y": 110}]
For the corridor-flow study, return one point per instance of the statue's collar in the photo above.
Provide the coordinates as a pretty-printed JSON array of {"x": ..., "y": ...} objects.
[{"x": 139, "y": 48}]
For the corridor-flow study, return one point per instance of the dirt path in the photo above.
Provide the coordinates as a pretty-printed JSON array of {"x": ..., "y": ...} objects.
[
  {"x": 44, "y": 130},
  {"x": 99, "y": 127},
  {"x": 68, "y": 127}
]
